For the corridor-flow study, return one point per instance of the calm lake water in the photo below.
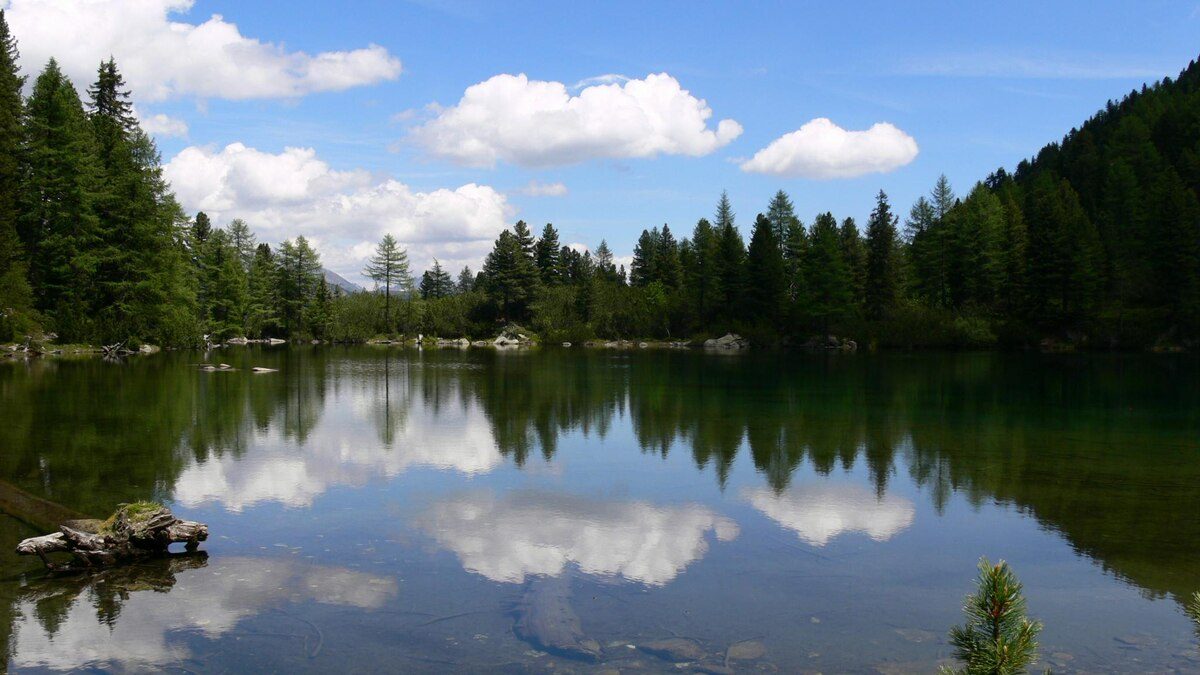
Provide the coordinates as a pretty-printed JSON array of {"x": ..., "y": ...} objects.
[{"x": 386, "y": 509}]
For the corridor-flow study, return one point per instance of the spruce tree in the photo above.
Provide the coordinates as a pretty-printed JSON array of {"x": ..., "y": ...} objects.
[
  {"x": 436, "y": 282},
  {"x": 827, "y": 281},
  {"x": 766, "y": 275},
  {"x": 882, "y": 278},
  {"x": 702, "y": 276},
  {"x": 57, "y": 222},
  {"x": 731, "y": 260},
  {"x": 854, "y": 252},
  {"x": 795, "y": 249},
  {"x": 466, "y": 280},
  {"x": 668, "y": 269},
  {"x": 16, "y": 297},
  {"x": 642, "y": 269},
  {"x": 510, "y": 276},
  {"x": 547, "y": 255},
  {"x": 299, "y": 276}
]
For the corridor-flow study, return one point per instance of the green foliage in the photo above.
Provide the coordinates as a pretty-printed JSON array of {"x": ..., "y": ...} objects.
[{"x": 997, "y": 638}]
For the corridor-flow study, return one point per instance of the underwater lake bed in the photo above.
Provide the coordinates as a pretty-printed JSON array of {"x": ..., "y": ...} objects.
[{"x": 385, "y": 508}]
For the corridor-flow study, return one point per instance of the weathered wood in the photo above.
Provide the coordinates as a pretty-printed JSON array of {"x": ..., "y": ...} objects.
[
  {"x": 134, "y": 531},
  {"x": 545, "y": 619}
]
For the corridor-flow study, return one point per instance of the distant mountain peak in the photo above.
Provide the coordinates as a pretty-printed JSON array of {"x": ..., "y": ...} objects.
[{"x": 334, "y": 279}]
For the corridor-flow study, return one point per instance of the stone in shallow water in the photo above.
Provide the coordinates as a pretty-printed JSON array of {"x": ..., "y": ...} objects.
[
  {"x": 917, "y": 635},
  {"x": 746, "y": 650},
  {"x": 674, "y": 649}
]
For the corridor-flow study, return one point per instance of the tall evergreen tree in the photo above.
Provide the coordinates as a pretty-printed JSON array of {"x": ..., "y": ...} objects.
[
  {"x": 389, "y": 268},
  {"x": 642, "y": 269},
  {"x": 731, "y": 260},
  {"x": 782, "y": 216},
  {"x": 511, "y": 276},
  {"x": 882, "y": 280},
  {"x": 668, "y": 269},
  {"x": 766, "y": 275},
  {"x": 466, "y": 280},
  {"x": 827, "y": 281},
  {"x": 436, "y": 282},
  {"x": 548, "y": 257},
  {"x": 57, "y": 222},
  {"x": 263, "y": 300},
  {"x": 299, "y": 276},
  {"x": 16, "y": 297},
  {"x": 854, "y": 252}
]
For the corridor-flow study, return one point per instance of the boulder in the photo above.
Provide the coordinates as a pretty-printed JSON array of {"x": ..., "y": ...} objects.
[{"x": 727, "y": 341}]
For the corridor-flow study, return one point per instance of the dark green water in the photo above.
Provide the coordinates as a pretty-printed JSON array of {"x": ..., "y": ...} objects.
[{"x": 387, "y": 509}]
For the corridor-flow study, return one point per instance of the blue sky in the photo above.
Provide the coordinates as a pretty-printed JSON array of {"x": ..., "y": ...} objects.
[{"x": 970, "y": 86}]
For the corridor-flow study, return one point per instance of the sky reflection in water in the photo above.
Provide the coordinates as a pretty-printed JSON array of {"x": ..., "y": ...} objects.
[{"x": 360, "y": 497}]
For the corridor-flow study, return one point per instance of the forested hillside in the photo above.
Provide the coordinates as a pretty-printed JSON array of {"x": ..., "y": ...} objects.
[{"x": 1094, "y": 243}]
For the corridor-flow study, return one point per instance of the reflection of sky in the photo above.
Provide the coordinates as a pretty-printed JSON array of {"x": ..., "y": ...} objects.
[
  {"x": 819, "y": 512},
  {"x": 210, "y": 600},
  {"x": 507, "y": 537},
  {"x": 452, "y": 437}
]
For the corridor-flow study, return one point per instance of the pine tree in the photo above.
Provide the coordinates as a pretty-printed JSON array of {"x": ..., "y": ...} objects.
[
  {"x": 766, "y": 274},
  {"x": 547, "y": 255},
  {"x": 436, "y": 282},
  {"x": 668, "y": 269},
  {"x": 795, "y": 249},
  {"x": 57, "y": 222},
  {"x": 243, "y": 241},
  {"x": 389, "y": 267},
  {"x": 702, "y": 276},
  {"x": 511, "y": 276},
  {"x": 642, "y": 269},
  {"x": 16, "y": 297},
  {"x": 827, "y": 281},
  {"x": 466, "y": 280},
  {"x": 299, "y": 275},
  {"x": 882, "y": 279},
  {"x": 263, "y": 299},
  {"x": 998, "y": 639},
  {"x": 1062, "y": 278},
  {"x": 854, "y": 252},
  {"x": 731, "y": 260},
  {"x": 225, "y": 285}
]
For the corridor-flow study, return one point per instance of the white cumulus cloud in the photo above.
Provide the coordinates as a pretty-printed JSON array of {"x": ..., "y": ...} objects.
[
  {"x": 158, "y": 124},
  {"x": 163, "y": 58},
  {"x": 821, "y": 149},
  {"x": 294, "y": 192},
  {"x": 537, "y": 189},
  {"x": 511, "y": 118}
]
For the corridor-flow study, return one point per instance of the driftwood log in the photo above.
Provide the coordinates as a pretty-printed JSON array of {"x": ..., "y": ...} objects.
[{"x": 135, "y": 531}]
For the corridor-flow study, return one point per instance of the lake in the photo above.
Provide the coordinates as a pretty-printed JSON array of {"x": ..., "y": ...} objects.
[{"x": 389, "y": 509}]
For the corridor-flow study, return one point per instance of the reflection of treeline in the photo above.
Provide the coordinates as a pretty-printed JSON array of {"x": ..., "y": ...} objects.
[
  {"x": 1104, "y": 450},
  {"x": 89, "y": 434}
]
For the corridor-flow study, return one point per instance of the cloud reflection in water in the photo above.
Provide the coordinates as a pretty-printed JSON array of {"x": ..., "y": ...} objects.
[
  {"x": 506, "y": 538},
  {"x": 818, "y": 513}
]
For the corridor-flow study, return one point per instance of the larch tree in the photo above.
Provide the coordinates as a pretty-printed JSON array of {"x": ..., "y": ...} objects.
[{"x": 388, "y": 268}]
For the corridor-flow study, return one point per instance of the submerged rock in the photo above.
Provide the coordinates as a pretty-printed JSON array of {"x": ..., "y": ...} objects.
[
  {"x": 546, "y": 620},
  {"x": 746, "y": 650},
  {"x": 674, "y": 649}
]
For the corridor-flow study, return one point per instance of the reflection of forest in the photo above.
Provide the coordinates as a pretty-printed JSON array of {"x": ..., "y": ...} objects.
[{"x": 1103, "y": 449}]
